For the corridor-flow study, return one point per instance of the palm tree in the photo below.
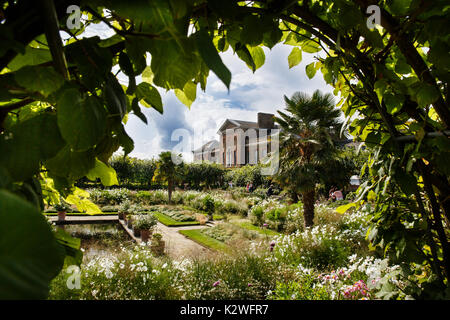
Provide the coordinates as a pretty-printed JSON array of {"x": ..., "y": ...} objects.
[
  {"x": 167, "y": 171},
  {"x": 307, "y": 127}
]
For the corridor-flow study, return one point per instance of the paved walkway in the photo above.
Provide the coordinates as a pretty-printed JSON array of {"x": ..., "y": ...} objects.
[{"x": 177, "y": 245}]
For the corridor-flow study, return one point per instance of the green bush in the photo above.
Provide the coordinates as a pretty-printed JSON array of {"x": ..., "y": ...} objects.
[
  {"x": 305, "y": 289},
  {"x": 145, "y": 221},
  {"x": 208, "y": 205},
  {"x": 257, "y": 215},
  {"x": 109, "y": 197}
]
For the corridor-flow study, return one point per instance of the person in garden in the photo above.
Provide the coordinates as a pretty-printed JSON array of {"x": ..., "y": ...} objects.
[
  {"x": 331, "y": 195},
  {"x": 338, "y": 195}
]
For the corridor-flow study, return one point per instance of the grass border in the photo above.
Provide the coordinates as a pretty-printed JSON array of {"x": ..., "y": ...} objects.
[
  {"x": 170, "y": 222},
  {"x": 198, "y": 236}
]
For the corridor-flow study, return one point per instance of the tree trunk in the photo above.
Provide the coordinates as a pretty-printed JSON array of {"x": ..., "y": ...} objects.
[
  {"x": 308, "y": 207},
  {"x": 170, "y": 186}
]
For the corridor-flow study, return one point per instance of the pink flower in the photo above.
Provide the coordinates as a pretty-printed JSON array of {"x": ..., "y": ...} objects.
[
  {"x": 250, "y": 285},
  {"x": 215, "y": 284}
]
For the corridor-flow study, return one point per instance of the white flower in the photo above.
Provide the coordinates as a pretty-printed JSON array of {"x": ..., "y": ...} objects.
[{"x": 108, "y": 274}]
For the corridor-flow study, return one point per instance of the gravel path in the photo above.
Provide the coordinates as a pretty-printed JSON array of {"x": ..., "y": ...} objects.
[{"x": 177, "y": 245}]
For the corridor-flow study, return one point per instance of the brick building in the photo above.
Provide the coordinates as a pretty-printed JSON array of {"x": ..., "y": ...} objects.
[{"x": 240, "y": 142}]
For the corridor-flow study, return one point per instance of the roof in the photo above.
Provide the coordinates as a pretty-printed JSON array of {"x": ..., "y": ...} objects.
[
  {"x": 210, "y": 145},
  {"x": 240, "y": 124}
]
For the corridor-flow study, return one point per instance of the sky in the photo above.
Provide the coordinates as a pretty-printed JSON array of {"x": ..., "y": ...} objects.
[{"x": 249, "y": 94}]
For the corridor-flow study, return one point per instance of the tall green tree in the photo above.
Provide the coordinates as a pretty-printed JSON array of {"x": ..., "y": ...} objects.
[
  {"x": 307, "y": 126},
  {"x": 168, "y": 171}
]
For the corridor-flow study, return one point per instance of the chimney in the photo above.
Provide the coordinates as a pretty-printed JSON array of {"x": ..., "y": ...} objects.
[{"x": 265, "y": 120}]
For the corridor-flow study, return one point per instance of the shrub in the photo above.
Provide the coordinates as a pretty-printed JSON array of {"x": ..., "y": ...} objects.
[
  {"x": 257, "y": 215},
  {"x": 208, "y": 205},
  {"x": 320, "y": 247},
  {"x": 145, "y": 221},
  {"x": 125, "y": 206},
  {"x": 305, "y": 289},
  {"x": 109, "y": 197},
  {"x": 234, "y": 207}
]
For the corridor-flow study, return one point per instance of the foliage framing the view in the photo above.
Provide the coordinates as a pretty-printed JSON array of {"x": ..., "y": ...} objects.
[{"x": 62, "y": 110}]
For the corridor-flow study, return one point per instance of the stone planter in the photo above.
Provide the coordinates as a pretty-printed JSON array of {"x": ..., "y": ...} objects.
[
  {"x": 61, "y": 216},
  {"x": 136, "y": 232}
]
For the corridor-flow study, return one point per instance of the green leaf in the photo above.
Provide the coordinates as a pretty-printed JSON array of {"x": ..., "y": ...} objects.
[
  {"x": 136, "y": 51},
  {"x": 31, "y": 57},
  {"x": 106, "y": 174},
  {"x": 149, "y": 96},
  {"x": 295, "y": 57},
  {"x": 394, "y": 103},
  {"x": 94, "y": 62},
  {"x": 251, "y": 33},
  {"x": 258, "y": 56},
  {"x": 137, "y": 110},
  {"x": 171, "y": 66},
  {"x": 344, "y": 208},
  {"x": 310, "y": 46},
  {"x": 81, "y": 120},
  {"x": 187, "y": 96},
  {"x": 379, "y": 88},
  {"x": 426, "y": 94},
  {"x": 30, "y": 256},
  {"x": 406, "y": 181},
  {"x": 28, "y": 143},
  {"x": 310, "y": 70},
  {"x": 44, "y": 80},
  {"x": 71, "y": 245},
  {"x": 211, "y": 57},
  {"x": 147, "y": 75},
  {"x": 127, "y": 68},
  {"x": 71, "y": 164},
  {"x": 83, "y": 204},
  {"x": 116, "y": 100},
  {"x": 245, "y": 55}
]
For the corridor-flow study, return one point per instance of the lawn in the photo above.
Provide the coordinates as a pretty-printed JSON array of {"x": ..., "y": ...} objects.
[
  {"x": 168, "y": 221},
  {"x": 198, "y": 236}
]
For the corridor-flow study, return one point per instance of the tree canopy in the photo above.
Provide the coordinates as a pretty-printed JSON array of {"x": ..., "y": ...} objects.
[{"x": 62, "y": 109}]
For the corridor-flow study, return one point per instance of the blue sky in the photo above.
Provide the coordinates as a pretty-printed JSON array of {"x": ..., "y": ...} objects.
[{"x": 249, "y": 94}]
